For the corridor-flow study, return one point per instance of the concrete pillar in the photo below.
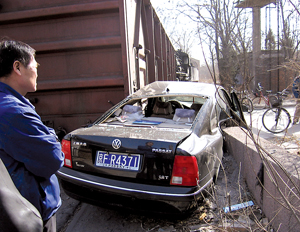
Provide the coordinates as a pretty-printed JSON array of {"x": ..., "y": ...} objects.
[{"x": 256, "y": 37}]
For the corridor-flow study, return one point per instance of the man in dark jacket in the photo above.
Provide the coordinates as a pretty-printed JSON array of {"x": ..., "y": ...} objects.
[{"x": 30, "y": 150}]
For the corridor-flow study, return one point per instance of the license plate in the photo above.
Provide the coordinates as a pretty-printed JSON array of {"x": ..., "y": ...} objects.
[{"x": 118, "y": 161}]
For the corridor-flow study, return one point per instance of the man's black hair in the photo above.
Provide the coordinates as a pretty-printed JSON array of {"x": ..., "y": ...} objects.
[{"x": 11, "y": 51}]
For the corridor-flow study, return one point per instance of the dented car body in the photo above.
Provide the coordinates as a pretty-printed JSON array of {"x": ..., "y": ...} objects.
[{"x": 162, "y": 145}]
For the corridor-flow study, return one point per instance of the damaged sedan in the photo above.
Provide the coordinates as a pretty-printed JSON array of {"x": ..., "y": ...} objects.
[{"x": 158, "y": 149}]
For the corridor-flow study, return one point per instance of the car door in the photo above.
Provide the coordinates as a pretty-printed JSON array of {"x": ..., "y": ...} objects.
[
  {"x": 229, "y": 110},
  {"x": 237, "y": 112}
]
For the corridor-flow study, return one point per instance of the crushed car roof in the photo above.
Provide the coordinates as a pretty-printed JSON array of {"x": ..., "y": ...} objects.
[{"x": 176, "y": 87}]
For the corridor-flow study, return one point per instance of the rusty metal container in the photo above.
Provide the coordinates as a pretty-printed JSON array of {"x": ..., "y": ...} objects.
[{"x": 92, "y": 53}]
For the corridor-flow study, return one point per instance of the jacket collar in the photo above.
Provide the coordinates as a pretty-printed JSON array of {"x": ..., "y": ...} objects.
[{"x": 6, "y": 89}]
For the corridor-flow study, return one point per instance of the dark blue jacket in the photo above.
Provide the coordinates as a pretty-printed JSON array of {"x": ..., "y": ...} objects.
[
  {"x": 296, "y": 87},
  {"x": 30, "y": 152}
]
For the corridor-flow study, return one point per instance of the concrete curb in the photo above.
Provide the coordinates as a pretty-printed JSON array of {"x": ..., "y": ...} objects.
[{"x": 270, "y": 175}]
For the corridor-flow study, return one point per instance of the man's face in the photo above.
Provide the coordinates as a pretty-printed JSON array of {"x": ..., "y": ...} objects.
[{"x": 30, "y": 76}]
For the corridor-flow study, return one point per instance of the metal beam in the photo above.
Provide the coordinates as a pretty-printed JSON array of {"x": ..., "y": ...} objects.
[{"x": 254, "y": 3}]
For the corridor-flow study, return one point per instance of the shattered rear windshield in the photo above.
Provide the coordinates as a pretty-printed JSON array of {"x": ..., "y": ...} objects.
[{"x": 167, "y": 112}]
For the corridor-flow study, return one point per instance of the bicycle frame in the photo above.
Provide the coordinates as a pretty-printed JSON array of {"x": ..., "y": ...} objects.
[
  {"x": 262, "y": 96},
  {"x": 265, "y": 98}
]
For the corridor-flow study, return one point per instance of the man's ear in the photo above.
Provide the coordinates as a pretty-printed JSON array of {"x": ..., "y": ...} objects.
[{"x": 16, "y": 67}]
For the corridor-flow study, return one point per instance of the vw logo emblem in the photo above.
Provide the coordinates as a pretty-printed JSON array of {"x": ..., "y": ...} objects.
[{"x": 116, "y": 144}]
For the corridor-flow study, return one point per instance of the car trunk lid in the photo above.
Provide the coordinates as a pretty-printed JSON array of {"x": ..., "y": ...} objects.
[{"x": 143, "y": 155}]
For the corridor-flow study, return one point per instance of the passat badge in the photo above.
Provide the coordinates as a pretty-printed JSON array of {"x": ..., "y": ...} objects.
[{"x": 116, "y": 144}]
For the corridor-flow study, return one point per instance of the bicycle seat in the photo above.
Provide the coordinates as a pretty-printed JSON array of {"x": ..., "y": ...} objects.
[{"x": 268, "y": 91}]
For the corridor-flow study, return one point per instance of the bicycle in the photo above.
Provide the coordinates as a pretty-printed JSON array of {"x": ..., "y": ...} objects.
[
  {"x": 276, "y": 119},
  {"x": 245, "y": 100},
  {"x": 261, "y": 101}
]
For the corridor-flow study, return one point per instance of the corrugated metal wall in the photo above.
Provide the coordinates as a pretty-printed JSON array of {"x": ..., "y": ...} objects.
[{"x": 85, "y": 52}]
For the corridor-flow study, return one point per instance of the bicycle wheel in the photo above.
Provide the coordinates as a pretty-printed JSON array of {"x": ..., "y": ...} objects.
[
  {"x": 276, "y": 119},
  {"x": 247, "y": 105},
  {"x": 259, "y": 103}
]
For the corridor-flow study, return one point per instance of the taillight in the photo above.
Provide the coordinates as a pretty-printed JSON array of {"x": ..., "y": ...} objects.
[
  {"x": 66, "y": 148},
  {"x": 185, "y": 171}
]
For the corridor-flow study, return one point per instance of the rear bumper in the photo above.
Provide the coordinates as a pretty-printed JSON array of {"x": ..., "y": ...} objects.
[{"x": 94, "y": 189}]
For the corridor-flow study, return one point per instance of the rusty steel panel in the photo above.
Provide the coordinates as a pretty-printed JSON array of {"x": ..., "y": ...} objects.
[
  {"x": 73, "y": 102},
  {"x": 63, "y": 108},
  {"x": 149, "y": 24},
  {"x": 164, "y": 56},
  {"x": 67, "y": 29},
  {"x": 158, "y": 51},
  {"x": 84, "y": 51},
  {"x": 80, "y": 69},
  {"x": 21, "y": 7}
]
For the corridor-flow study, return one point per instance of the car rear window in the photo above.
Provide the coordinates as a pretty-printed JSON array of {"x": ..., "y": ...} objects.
[{"x": 167, "y": 112}]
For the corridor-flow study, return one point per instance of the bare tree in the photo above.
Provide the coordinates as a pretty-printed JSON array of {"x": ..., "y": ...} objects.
[
  {"x": 288, "y": 39},
  {"x": 270, "y": 43},
  {"x": 223, "y": 27},
  {"x": 183, "y": 40},
  {"x": 181, "y": 35},
  {"x": 296, "y": 7}
]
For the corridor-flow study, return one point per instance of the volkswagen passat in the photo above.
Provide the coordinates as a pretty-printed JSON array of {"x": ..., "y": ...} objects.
[{"x": 161, "y": 145}]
